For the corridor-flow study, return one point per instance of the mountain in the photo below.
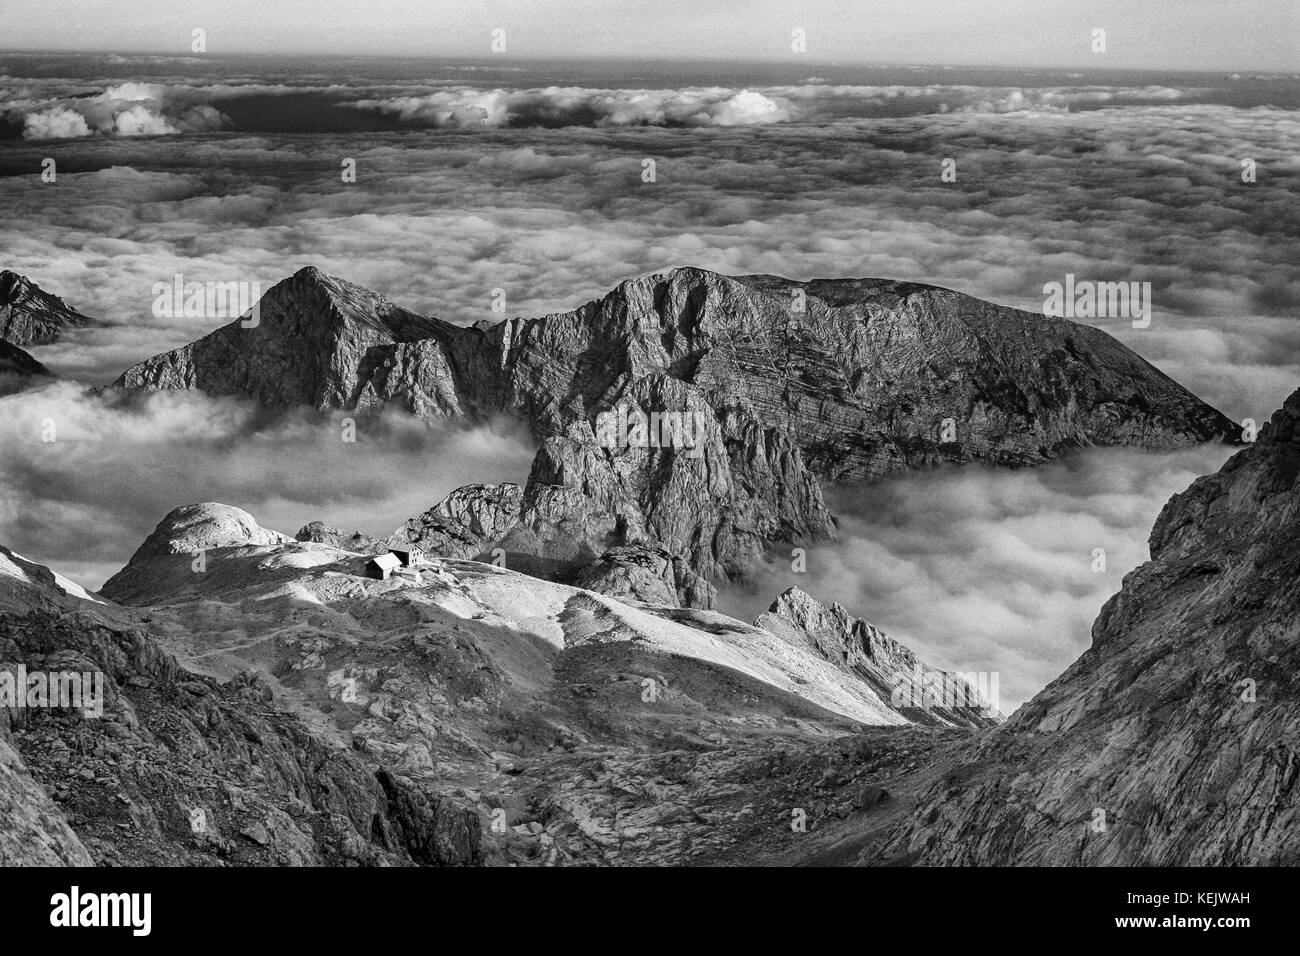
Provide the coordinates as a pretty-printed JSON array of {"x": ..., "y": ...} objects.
[
  {"x": 266, "y": 574},
  {"x": 31, "y": 316},
  {"x": 318, "y": 716},
  {"x": 862, "y": 374},
  {"x": 771, "y": 386},
  {"x": 178, "y": 768},
  {"x": 18, "y": 370},
  {"x": 1171, "y": 740}
]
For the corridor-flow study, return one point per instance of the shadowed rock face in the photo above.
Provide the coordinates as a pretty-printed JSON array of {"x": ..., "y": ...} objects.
[
  {"x": 1178, "y": 724},
  {"x": 317, "y": 341},
  {"x": 272, "y": 790},
  {"x": 793, "y": 382},
  {"x": 18, "y": 370},
  {"x": 31, "y": 316},
  {"x": 34, "y": 832}
]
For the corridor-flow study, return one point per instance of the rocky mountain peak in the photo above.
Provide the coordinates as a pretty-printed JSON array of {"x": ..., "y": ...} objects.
[
  {"x": 18, "y": 370},
  {"x": 13, "y": 287},
  {"x": 31, "y": 316},
  {"x": 863, "y": 650},
  {"x": 205, "y": 526},
  {"x": 792, "y": 383}
]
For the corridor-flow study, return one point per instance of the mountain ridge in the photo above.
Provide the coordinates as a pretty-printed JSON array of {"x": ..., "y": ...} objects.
[
  {"x": 31, "y": 316},
  {"x": 846, "y": 380}
]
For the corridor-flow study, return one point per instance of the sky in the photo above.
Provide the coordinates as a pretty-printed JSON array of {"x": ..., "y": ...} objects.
[{"x": 1258, "y": 35}]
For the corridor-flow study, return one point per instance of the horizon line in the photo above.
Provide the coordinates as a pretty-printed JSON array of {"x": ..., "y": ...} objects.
[{"x": 666, "y": 59}]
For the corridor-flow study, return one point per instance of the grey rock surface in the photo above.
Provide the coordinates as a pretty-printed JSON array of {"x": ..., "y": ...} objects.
[
  {"x": 31, "y": 316},
  {"x": 1172, "y": 740}
]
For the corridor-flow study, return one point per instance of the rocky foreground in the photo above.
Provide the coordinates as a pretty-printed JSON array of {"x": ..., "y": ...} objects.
[
  {"x": 792, "y": 383},
  {"x": 475, "y": 715}
]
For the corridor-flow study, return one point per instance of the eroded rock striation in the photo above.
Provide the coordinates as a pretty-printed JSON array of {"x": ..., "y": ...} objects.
[{"x": 918, "y": 691}]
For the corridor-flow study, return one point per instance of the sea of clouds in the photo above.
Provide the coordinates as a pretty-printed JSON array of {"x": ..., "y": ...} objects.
[
  {"x": 48, "y": 111},
  {"x": 537, "y": 189},
  {"x": 989, "y": 571}
]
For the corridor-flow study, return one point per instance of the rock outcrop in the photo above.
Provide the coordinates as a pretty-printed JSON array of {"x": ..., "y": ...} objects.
[
  {"x": 922, "y": 693},
  {"x": 190, "y": 531},
  {"x": 697, "y": 412},
  {"x": 630, "y": 574},
  {"x": 176, "y": 768},
  {"x": 34, "y": 832},
  {"x": 1172, "y": 740},
  {"x": 31, "y": 316},
  {"x": 18, "y": 370},
  {"x": 637, "y": 604}
]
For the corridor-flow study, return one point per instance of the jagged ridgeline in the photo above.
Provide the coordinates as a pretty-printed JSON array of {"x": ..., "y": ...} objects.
[
  {"x": 31, "y": 316},
  {"x": 734, "y": 397}
]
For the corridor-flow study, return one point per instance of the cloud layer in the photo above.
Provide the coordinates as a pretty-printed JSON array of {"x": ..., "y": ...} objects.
[
  {"x": 990, "y": 571},
  {"x": 83, "y": 502},
  {"x": 532, "y": 182}
]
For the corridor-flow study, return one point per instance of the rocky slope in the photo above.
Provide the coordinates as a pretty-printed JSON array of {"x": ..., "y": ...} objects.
[
  {"x": 31, "y": 316},
  {"x": 182, "y": 769},
  {"x": 1172, "y": 740},
  {"x": 315, "y": 716},
  {"x": 861, "y": 374},
  {"x": 265, "y": 574},
  {"x": 18, "y": 370},
  {"x": 791, "y": 383}
]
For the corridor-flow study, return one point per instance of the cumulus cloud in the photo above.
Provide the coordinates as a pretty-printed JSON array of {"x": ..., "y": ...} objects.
[
  {"x": 83, "y": 503},
  {"x": 155, "y": 109},
  {"x": 126, "y": 109},
  {"x": 573, "y": 106},
  {"x": 57, "y": 123}
]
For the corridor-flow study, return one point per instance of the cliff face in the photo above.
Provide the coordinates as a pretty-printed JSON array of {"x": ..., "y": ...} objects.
[
  {"x": 1172, "y": 739},
  {"x": 776, "y": 385},
  {"x": 315, "y": 341},
  {"x": 862, "y": 374},
  {"x": 18, "y": 370},
  {"x": 31, "y": 316}
]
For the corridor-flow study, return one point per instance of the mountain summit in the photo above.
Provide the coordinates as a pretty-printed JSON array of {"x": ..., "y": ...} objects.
[
  {"x": 786, "y": 383},
  {"x": 31, "y": 316}
]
